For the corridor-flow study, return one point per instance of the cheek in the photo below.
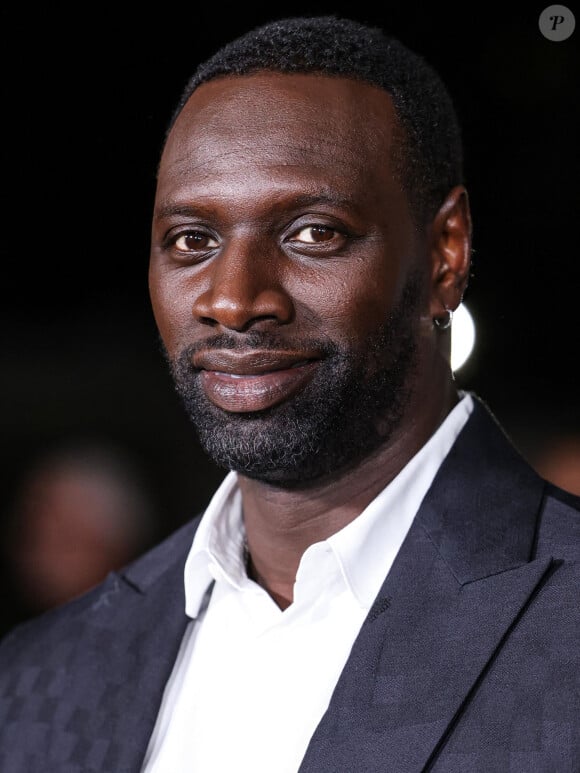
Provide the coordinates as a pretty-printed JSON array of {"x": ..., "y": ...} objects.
[
  {"x": 349, "y": 308},
  {"x": 171, "y": 305}
]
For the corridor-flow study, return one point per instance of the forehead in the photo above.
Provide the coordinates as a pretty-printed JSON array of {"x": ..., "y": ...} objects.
[{"x": 280, "y": 123}]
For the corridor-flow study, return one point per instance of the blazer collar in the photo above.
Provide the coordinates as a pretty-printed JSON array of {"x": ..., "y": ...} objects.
[{"x": 480, "y": 510}]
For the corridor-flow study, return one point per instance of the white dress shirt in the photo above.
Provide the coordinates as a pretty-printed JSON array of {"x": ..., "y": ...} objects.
[{"x": 251, "y": 681}]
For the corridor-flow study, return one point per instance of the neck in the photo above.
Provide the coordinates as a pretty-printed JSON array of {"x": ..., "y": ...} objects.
[{"x": 282, "y": 523}]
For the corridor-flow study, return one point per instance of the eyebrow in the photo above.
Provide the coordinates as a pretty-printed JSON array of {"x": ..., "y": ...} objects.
[
  {"x": 295, "y": 202},
  {"x": 177, "y": 210}
]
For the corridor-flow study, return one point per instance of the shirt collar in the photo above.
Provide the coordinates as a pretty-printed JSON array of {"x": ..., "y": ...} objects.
[
  {"x": 217, "y": 548},
  {"x": 364, "y": 549}
]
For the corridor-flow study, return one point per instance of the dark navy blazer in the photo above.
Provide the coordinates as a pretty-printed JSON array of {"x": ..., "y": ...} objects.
[{"x": 469, "y": 659}]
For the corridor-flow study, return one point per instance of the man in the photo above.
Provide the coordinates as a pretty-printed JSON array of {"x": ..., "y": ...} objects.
[{"x": 381, "y": 583}]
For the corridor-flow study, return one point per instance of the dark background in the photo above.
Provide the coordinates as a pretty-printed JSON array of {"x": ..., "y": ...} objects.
[{"x": 86, "y": 99}]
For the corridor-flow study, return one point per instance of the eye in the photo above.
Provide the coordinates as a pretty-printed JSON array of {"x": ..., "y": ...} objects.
[
  {"x": 315, "y": 234},
  {"x": 194, "y": 241}
]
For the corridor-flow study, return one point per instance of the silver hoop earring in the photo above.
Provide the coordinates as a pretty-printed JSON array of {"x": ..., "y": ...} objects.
[{"x": 443, "y": 323}]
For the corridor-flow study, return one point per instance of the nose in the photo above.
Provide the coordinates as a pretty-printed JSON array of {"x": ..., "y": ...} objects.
[{"x": 244, "y": 288}]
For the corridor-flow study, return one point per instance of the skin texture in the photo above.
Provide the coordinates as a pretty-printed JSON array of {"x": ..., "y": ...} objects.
[{"x": 277, "y": 215}]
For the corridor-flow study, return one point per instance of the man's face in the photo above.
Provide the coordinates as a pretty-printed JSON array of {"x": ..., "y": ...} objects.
[{"x": 286, "y": 277}]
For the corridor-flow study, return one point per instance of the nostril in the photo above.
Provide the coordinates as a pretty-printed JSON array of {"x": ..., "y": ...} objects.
[{"x": 239, "y": 312}]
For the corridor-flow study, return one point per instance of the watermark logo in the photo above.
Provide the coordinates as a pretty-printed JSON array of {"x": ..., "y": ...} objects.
[{"x": 556, "y": 22}]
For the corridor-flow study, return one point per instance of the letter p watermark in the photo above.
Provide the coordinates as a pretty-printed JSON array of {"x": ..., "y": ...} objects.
[{"x": 556, "y": 22}]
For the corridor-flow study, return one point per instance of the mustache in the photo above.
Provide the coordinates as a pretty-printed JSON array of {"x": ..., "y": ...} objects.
[{"x": 257, "y": 340}]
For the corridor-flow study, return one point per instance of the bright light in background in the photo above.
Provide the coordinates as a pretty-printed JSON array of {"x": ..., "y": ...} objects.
[{"x": 462, "y": 336}]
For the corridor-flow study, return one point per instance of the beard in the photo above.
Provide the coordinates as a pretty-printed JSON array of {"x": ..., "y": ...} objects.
[{"x": 352, "y": 405}]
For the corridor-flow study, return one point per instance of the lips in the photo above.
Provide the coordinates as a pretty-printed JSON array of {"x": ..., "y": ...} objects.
[{"x": 242, "y": 382}]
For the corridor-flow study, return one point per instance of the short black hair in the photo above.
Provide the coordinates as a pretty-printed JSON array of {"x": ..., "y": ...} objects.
[{"x": 429, "y": 158}]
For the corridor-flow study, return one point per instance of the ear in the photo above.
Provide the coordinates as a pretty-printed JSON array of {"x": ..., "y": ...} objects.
[{"x": 450, "y": 250}]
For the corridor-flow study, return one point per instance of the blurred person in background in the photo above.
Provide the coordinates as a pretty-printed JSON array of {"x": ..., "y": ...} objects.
[
  {"x": 559, "y": 461},
  {"x": 80, "y": 511}
]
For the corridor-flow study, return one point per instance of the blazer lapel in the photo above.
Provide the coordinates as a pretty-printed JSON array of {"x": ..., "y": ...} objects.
[{"x": 458, "y": 585}]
